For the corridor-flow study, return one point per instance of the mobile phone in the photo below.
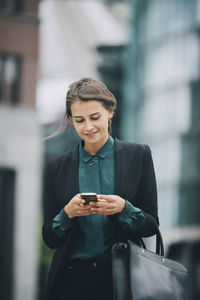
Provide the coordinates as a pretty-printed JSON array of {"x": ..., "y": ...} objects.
[{"x": 89, "y": 197}]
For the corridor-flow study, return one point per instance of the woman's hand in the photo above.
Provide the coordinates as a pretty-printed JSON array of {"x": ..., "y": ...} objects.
[
  {"x": 107, "y": 205},
  {"x": 76, "y": 207}
]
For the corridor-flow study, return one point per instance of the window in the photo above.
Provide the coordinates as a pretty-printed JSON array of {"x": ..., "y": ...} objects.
[
  {"x": 9, "y": 78},
  {"x": 11, "y": 6},
  {"x": 7, "y": 191}
]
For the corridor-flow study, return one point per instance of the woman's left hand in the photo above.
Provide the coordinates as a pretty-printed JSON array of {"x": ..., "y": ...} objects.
[{"x": 107, "y": 205}]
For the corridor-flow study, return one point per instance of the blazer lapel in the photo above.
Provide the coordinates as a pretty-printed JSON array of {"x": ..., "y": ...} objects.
[
  {"x": 68, "y": 179},
  {"x": 75, "y": 163},
  {"x": 118, "y": 157},
  {"x": 73, "y": 178},
  {"x": 116, "y": 230}
]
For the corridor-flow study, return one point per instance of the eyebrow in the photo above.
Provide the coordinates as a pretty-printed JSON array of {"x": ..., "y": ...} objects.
[{"x": 89, "y": 115}]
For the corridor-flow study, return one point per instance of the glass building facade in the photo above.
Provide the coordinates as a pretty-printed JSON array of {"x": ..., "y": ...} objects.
[
  {"x": 161, "y": 103},
  {"x": 161, "y": 107}
]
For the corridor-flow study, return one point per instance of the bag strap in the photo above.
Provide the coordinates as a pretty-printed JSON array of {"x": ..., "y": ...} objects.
[{"x": 159, "y": 243}]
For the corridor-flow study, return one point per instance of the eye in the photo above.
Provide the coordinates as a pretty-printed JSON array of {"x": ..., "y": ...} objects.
[
  {"x": 95, "y": 118},
  {"x": 79, "y": 121}
]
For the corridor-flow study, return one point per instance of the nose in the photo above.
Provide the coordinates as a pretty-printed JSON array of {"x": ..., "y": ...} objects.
[{"x": 88, "y": 126}]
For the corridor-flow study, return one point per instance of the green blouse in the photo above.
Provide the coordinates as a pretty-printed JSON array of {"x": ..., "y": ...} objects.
[{"x": 96, "y": 174}]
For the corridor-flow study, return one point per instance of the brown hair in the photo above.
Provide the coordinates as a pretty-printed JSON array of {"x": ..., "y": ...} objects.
[{"x": 87, "y": 89}]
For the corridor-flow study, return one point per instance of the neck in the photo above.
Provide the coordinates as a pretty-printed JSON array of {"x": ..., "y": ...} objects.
[{"x": 94, "y": 148}]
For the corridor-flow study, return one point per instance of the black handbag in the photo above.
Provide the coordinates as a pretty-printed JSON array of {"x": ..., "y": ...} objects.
[{"x": 140, "y": 274}]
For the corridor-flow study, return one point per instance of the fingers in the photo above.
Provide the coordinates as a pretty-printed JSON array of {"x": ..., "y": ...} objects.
[
  {"x": 105, "y": 197},
  {"x": 76, "y": 199},
  {"x": 77, "y": 207},
  {"x": 99, "y": 203},
  {"x": 102, "y": 207},
  {"x": 108, "y": 204},
  {"x": 79, "y": 201},
  {"x": 83, "y": 211},
  {"x": 83, "y": 203}
]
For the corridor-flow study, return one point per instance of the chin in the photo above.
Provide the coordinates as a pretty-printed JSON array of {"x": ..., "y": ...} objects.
[{"x": 93, "y": 140}]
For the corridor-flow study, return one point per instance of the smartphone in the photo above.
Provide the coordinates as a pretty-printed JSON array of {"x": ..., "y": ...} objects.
[{"x": 89, "y": 197}]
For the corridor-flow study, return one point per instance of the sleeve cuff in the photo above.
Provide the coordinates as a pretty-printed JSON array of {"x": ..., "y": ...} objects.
[
  {"x": 131, "y": 217},
  {"x": 61, "y": 223}
]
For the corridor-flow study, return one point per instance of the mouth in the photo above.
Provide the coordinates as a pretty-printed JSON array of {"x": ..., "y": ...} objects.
[{"x": 91, "y": 134}]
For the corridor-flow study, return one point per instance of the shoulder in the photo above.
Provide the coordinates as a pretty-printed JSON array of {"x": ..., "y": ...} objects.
[
  {"x": 60, "y": 161},
  {"x": 130, "y": 147}
]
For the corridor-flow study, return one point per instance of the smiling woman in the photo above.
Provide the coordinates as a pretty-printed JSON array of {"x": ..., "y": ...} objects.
[
  {"x": 91, "y": 121},
  {"x": 85, "y": 90},
  {"x": 121, "y": 174}
]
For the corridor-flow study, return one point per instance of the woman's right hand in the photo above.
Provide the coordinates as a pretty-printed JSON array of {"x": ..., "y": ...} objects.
[{"x": 76, "y": 207}]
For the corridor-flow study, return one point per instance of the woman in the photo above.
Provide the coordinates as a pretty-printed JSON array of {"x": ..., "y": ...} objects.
[{"x": 122, "y": 176}]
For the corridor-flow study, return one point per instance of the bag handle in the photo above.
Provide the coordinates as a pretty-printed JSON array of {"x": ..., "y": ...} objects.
[{"x": 159, "y": 243}]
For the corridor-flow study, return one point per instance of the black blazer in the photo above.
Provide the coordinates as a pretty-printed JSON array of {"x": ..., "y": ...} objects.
[{"x": 134, "y": 181}]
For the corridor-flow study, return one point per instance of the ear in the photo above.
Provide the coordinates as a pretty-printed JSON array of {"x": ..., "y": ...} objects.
[{"x": 110, "y": 113}]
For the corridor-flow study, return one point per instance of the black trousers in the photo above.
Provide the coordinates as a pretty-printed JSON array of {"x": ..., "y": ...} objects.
[{"x": 85, "y": 281}]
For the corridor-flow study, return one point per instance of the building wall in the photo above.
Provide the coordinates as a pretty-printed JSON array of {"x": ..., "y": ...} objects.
[
  {"x": 20, "y": 145},
  {"x": 21, "y": 151},
  {"x": 19, "y": 36},
  {"x": 162, "y": 108}
]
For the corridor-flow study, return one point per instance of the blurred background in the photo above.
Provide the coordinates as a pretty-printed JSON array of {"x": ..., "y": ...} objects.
[{"x": 148, "y": 54}]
